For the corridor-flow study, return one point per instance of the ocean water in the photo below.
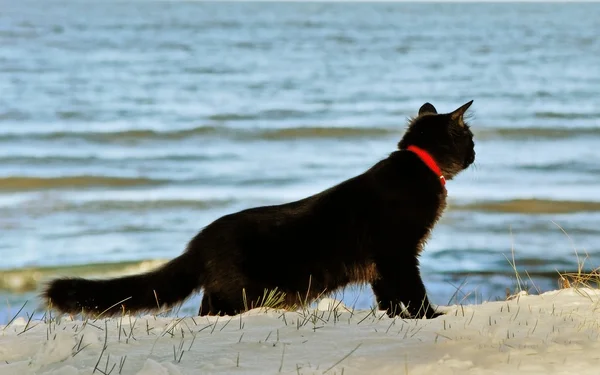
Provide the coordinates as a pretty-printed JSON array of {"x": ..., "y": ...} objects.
[{"x": 126, "y": 127}]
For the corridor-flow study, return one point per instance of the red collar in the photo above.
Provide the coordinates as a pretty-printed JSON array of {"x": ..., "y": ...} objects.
[{"x": 428, "y": 160}]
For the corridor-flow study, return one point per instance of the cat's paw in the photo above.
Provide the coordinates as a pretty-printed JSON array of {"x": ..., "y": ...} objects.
[{"x": 435, "y": 315}]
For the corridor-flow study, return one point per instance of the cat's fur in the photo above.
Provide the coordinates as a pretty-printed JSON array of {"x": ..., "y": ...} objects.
[{"x": 368, "y": 229}]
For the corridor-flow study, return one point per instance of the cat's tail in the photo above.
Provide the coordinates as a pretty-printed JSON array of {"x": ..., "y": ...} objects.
[{"x": 163, "y": 287}]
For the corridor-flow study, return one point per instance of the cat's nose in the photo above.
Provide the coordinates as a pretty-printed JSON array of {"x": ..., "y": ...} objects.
[{"x": 469, "y": 159}]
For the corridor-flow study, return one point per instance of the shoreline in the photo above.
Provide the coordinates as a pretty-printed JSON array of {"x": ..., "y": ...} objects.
[{"x": 548, "y": 333}]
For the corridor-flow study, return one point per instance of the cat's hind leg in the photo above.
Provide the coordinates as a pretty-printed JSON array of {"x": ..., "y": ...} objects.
[
  {"x": 231, "y": 303},
  {"x": 218, "y": 304}
]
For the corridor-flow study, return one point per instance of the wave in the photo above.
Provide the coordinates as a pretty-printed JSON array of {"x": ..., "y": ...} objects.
[
  {"x": 210, "y": 70},
  {"x": 287, "y": 133},
  {"x": 240, "y": 134},
  {"x": 31, "y": 183},
  {"x": 30, "y": 278},
  {"x": 327, "y": 132},
  {"x": 536, "y": 133},
  {"x": 13, "y": 114},
  {"x": 88, "y": 160},
  {"x": 571, "y": 166},
  {"x": 508, "y": 273},
  {"x": 267, "y": 114},
  {"x": 531, "y": 206},
  {"x": 18, "y": 183},
  {"x": 129, "y": 135},
  {"x": 567, "y": 115},
  {"x": 73, "y": 115},
  {"x": 102, "y": 206}
]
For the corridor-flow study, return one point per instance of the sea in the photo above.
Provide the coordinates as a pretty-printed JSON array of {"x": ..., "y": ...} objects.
[{"x": 128, "y": 126}]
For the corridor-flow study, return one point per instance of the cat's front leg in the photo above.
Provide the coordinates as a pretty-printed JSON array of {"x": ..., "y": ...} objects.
[
  {"x": 205, "y": 305},
  {"x": 399, "y": 283}
]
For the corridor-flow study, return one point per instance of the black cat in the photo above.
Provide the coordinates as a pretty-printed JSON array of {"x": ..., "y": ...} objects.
[{"x": 368, "y": 229}]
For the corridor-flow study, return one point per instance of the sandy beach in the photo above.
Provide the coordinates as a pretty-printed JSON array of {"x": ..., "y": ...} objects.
[{"x": 552, "y": 333}]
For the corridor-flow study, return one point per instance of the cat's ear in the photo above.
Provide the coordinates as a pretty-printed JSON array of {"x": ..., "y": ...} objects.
[
  {"x": 457, "y": 115},
  {"x": 427, "y": 108}
]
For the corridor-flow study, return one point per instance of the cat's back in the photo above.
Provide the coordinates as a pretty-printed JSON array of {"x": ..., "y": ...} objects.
[{"x": 298, "y": 224}]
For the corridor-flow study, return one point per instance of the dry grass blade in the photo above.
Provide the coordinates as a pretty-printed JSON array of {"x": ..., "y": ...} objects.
[
  {"x": 513, "y": 264},
  {"x": 118, "y": 303},
  {"x": 580, "y": 279},
  {"x": 343, "y": 358},
  {"x": 15, "y": 316}
]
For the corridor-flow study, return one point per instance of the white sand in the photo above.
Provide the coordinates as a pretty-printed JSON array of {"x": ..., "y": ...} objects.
[{"x": 555, "y": 333}]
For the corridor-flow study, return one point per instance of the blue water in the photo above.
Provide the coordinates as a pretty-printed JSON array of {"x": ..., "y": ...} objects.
[{"x": 125, "y": 127}]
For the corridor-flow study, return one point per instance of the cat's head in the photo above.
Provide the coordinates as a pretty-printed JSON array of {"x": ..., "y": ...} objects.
[{"x": 446, "y": 136}]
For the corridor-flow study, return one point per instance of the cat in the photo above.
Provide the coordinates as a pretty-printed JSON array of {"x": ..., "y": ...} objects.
[{"x": 368, "y": 229}]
